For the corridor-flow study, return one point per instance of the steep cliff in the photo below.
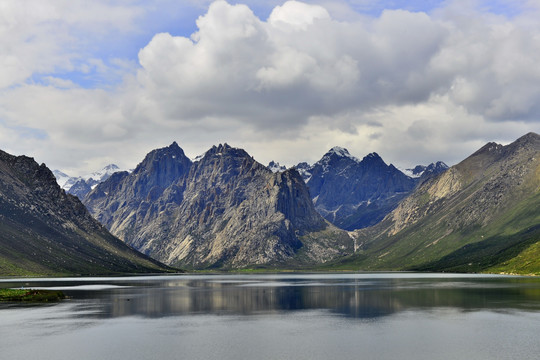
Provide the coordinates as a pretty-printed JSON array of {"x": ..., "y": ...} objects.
[{"x": 223, "y": 211}]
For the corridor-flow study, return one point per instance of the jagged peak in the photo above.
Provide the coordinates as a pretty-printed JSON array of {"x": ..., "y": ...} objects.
[
  {"x": 490, "y": 147},
  {"x": 420, "y": 170},
  {"x": 223, "y": 149},
  {"x": 372, "y": 157},
  {"x": 438, "y": 165},
  {"x": 441, "y": 164},
  {"x": 276, "y": 167},
  {"x": 226, "y": 151},
  {"x": 172, "y": 151},
  {"x": 337, "y": 152},
  {"x": 219, "y": 149}
]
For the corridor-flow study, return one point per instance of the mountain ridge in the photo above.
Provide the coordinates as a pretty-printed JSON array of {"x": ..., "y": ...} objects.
[
  {"x": 46, "y": 231},
  {"x": 82, "y": 185},
  {"x": 473, "y": 217},
  {"x": 223, "y": 211},
  {"x": 353, "y": 193}
]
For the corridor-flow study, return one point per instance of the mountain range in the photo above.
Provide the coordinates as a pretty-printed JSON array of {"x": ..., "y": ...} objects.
[
  {"x": 82, "y": 185},
  {"x": 224, "y": 210},
  {"x": 482, "y": 214},
  {"x": 44, "y": 231},
  {"x": 354, "y": 194}
]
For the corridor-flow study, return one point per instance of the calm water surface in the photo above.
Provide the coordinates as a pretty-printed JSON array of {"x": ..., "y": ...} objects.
[{"x": 282, "y": 316}]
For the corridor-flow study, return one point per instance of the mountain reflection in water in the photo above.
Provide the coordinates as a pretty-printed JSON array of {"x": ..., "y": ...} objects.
[{"x": 352, "y": 295}]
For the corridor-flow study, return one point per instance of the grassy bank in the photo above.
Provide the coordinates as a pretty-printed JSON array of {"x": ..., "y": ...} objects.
[{"x": 30, "y": 295}]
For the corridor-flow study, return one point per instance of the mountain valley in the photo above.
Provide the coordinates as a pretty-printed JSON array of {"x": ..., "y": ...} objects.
[
  {"x": 482, "y": 214},
  {"x": 224, "y": 210}
]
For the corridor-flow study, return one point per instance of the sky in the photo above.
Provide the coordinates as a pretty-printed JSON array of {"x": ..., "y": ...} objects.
[{"x": 88, "y": 83}]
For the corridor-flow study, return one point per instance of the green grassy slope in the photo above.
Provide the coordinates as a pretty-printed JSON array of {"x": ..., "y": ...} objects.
[{"x": 481, "y": 215}]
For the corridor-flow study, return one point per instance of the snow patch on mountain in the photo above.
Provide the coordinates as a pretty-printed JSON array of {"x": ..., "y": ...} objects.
[
  {"x": 276, "y": 167},
  {"x": 304, "y": 169},
  {"x": 340, "y": 152},
  {"x": 421, "y": 170},
  {"x": 102, "y": 174},
  {"x": 61, "y": 178},
  {"x": 66, "y": 182}
]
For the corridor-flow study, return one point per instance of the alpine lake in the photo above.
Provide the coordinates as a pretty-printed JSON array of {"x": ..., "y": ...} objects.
[{"x": 277, "y": 316}]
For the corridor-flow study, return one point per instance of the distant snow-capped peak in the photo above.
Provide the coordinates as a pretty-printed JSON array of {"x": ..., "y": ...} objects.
[
  {"x": 304, "y": 169},
  {"x": 102, "y": 174},
  {"x": 61, "y": 177},
  {"x": 341, "y": 152},
  {"x": 276, "y": 167},
  {"x": 336, "y": 151},
  {"x": 66, "y": 182},
  {"x": 419, "y": 170}
]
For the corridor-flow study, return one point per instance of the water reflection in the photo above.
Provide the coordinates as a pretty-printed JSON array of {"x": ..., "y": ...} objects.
[{"x": 357, "y": 296}]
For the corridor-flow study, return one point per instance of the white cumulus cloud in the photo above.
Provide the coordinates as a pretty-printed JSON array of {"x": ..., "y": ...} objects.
[{"x": 414, "y": 86}]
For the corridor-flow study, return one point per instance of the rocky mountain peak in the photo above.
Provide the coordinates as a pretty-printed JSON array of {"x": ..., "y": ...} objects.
[
  {"x": 417, "y": 171},
  {"x": 228, "y": 210},
  {"x": 439, "y": 165},
  {"x": 422, "y": 172},
  {"x": 529, "y": 137},
  {"x": 38, "y": 178},
  {"x": 224, "y": 150},
  {"x": 489, "y": 148},
  {"x": 373, "y": 158},
  {"x": 276, "y": 167},
  {"x": 337, "y": 153},
  {"x": 529, "y": 141},
  {"x": 338, "y": 150},
  {"x": 305, "y": 170},
  {"x": 159, "y": 157},
  {"x": 159, "y": 169},
  {"x": 224, "y": 163},
  {"x": 351, "y": 193},
  {"x": 221, "y": 148}
]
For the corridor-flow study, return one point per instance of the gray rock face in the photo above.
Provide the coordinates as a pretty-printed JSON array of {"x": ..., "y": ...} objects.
[
  {"x": 353, "y": 193},
  {"x": 224, "y": 210},
  {"x": 81, "y": 188},
  {"x": 43, "y": 230}
]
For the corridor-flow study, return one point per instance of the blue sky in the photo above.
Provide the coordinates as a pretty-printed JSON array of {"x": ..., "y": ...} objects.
[
  {"x": 179, "y": 18},
  {"x": 84, "y": 84}
]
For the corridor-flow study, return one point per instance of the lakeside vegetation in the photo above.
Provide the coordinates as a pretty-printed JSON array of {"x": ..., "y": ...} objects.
[{"x": 31, "y": 295}]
